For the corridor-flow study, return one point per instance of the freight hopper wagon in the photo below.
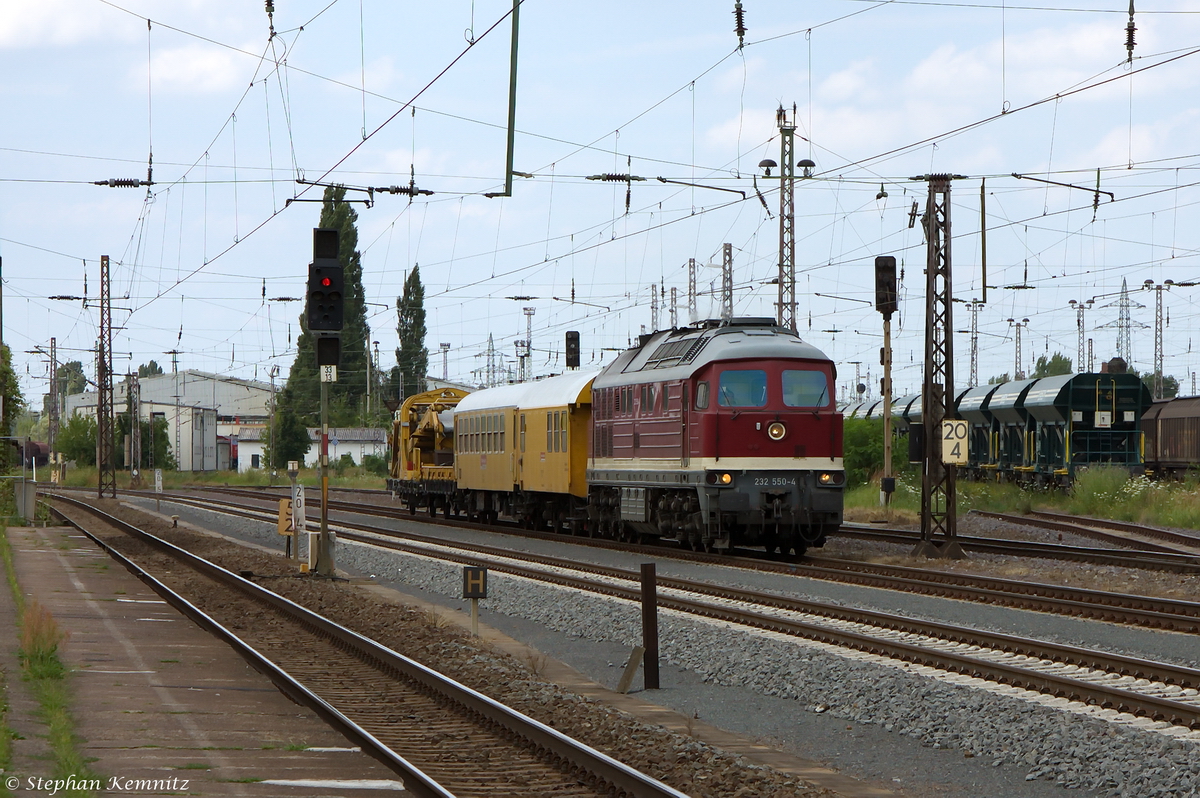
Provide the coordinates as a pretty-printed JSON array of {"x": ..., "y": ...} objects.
[
  {"x": 723, "y": 433},
  {"x": 421, "y": 471},
  {"x": 1082, "y": 420},
  {"x": 1043, "y": 431}
]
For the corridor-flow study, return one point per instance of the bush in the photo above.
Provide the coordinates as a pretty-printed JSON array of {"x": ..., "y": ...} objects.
[
  {"x": 862, "y": 451},
  {"x": 375, "y": 464}
]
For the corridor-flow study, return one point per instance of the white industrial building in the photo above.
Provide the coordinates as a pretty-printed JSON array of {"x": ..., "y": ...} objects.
[
  {"x": 252, "y": 443},
  {"x": 203, "y": 411}
]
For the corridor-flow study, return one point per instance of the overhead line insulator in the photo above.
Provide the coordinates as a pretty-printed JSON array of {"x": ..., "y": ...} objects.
[
  {"x": 123, "y": 182},
  {"x": 611, "y": 177}
]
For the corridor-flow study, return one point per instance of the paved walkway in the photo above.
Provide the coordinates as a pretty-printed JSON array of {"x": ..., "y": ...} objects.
[{"x": 158, "y": 701}]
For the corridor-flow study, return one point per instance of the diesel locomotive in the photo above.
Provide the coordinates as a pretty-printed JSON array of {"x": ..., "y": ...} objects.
[{"x": 719, "y": 434}]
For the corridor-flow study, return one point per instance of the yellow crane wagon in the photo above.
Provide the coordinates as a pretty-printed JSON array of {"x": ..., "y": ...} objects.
[{"x": 421, "y": 471}]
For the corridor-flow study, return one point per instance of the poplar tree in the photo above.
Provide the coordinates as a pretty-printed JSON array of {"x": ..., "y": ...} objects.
[
  {"x": 412, "y": 358},
  {"x": 14, "y": 403}
]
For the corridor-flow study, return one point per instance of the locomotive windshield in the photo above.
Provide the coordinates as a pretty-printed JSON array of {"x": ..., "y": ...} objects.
[
  {"x": 742, "y": 388},
  {"x": 805, "y": 388}
]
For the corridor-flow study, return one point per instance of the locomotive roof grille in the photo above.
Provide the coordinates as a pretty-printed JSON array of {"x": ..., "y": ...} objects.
[{"x": 674, "y": 353}]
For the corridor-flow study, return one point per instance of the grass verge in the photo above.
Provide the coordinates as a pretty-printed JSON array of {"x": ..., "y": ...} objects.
[
  {"x": 42, "y": 669},
  {"x": 1098, "y": 492}
]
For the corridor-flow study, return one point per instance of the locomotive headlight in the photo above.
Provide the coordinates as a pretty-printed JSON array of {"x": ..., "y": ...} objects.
[
  {"x": 718, "y": 478},
  {"x": 726, "y": 479},
  {"x": 776, "y": 430},
  {"x": 830, "y": 478}
]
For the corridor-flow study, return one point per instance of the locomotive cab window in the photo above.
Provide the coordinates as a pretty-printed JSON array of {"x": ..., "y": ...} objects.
[
  {"x": 805, "y": 388},
  {"x": 701, "y": 395},
  {"x": 742, "y": 388}
]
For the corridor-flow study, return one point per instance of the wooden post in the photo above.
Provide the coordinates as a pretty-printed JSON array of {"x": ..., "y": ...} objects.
[{"x": 650, "y": 626}]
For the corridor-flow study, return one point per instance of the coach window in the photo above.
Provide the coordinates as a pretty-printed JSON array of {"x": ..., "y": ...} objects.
[
  {"x": 805, "y": 388},
  {"x": 522, "y": 432},
  {"x": 502, "y": 432},
  {"x": 562, "y": 433},
  {"x": 701, "y": 395},
  {"x": 742, "y": 388}
]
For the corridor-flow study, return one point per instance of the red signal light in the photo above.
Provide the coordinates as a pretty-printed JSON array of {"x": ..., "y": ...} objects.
[{"x": 326, "y": 282}]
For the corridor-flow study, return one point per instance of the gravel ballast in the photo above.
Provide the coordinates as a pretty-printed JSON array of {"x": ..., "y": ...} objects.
[{"x": 1048, "y": 745}]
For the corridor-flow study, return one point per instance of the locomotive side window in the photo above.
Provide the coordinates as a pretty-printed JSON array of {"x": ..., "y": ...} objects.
[
  {"x": 562, "y": 432},
  {"x": 742, "y": 388},
  {"x": 805, "y": 388},
  {"x": 502, "y": 433},
  {"x": 549, "y": 432},
  {"x": 522, "y": 432},
  {"x": 701, "y": 395}
]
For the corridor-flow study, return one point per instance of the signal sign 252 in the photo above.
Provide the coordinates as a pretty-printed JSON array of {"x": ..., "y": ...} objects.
[{"x": 954, "y": 442}]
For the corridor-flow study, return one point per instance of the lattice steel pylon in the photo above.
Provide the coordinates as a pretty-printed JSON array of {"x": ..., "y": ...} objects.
[
  {"x": 1158, "y": 289},
  {"x": 1018, "y": 370},
  {"x": 939, "y": 518},
  {"x": 1081, "y": 362},
  {"x": 674, "y": 309},
  {"x": 53, "y": 433},
  {"x": 106, "y": 461},
  {"x": 726, "y": 282},
  {"x": 693, "y": 310},
  {"x": 135, "y": 431},
  {"x": 787, "y": 221},
  {"x": 1124, "y": 323},
  {"x": 973, "y": 308}
]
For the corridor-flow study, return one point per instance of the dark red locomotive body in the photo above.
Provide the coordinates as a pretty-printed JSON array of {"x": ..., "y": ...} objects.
[{"x": 719, "y": 434}]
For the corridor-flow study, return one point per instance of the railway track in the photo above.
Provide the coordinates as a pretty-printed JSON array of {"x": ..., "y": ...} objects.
[
  {"x": 1161, "y": 558},
  {"x": 1119, "y": 533},
  {"x": 1111, "y": 683},
  {"x": 1147, "y": 611},
  {"x": 440, "y": 737},
  {"x": 1124, "y": 558}
]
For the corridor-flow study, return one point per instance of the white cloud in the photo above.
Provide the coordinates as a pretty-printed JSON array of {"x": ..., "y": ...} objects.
[
  {"x": 36, "y": 23},
  {"x": 197, "y": 69}
]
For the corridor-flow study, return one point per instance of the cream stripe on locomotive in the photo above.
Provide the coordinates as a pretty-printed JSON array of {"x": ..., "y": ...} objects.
[{"x": 700, "y": 464}]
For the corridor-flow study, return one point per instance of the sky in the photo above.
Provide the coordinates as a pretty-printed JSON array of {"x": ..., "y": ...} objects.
[{"x": 373, "y": 93}]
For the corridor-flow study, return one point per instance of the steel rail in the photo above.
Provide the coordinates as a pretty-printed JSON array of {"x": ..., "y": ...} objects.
[
  {"x": 618, "y": 776},
  {"x": 1170, "y": 535},
  {"x": 1148, "y": 611},
  {"x": 1123, "y": 557},
  {"x": 1178, "y": 540},
  {"x": 1097, "y": 694},
  {"x": 1101, "y": 695},
  {"x": 414, "y": 779}
]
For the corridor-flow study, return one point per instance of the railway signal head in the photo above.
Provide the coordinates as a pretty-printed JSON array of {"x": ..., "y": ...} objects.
[
  {"x": 325, "y": 306},
  {"x": 572, "y": 349},
  {"x": 885, "y": 286}
]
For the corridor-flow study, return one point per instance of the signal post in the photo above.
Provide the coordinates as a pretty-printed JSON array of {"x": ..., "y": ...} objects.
[
  {"x": 324, "y": 311},
  {"x": 886, "y": 302}
]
